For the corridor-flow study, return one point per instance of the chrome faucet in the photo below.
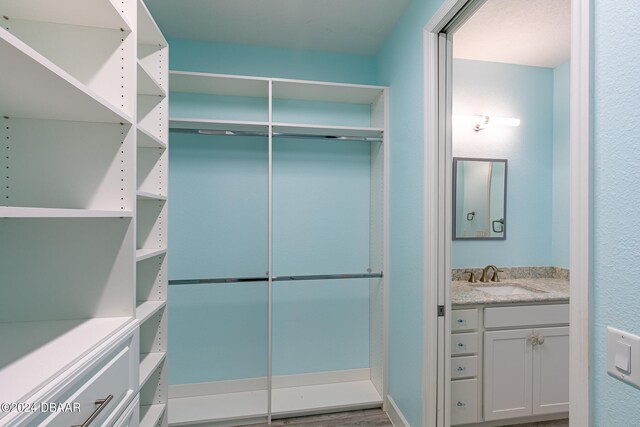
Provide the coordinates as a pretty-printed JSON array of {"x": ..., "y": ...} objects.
[{"x": 484, "y": 278}]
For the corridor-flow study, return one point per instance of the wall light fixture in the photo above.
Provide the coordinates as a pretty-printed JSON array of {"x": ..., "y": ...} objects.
[{"x": 480, "y": 122}]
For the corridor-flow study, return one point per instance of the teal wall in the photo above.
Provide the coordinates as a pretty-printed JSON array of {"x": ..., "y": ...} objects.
[
  {"x": 218, "y": 228},
  {"x": 560, "y": 203},
  {"x": 190, "y": 55},
  {"x": 400, "y": 66},
  {"x": 616, "y": 236},
  {"x": 218, "y": 225},
  {"x": 518, "y": 91}
]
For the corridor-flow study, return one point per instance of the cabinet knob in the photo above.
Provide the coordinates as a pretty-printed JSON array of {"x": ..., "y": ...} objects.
[
  {"x": 460, "y": 344},
  {"x": 461, "y": 368},
  {"x": 535, "y": 340},
  {"x": 460, "y": 404},
  {"x": 461, "y": 321}
]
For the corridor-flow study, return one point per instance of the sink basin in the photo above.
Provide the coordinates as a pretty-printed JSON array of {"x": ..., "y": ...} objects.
[{"x": 504, "y": 290}]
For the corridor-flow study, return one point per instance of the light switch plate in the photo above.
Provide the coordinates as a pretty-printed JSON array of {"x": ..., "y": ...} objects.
[{"x": 620, "y": 346}]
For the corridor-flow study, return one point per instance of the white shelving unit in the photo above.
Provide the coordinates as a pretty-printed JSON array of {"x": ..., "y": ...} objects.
[
  {"x": 68, "y": 189},
  {"x": 77, "y": 260},
  {"x": 151, "y": 217},
  {"x": 270, "y": 113}
]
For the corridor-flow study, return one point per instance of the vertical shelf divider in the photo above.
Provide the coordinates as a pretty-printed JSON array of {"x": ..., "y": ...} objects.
[
  {"x": 152, "y": 216},
  {"x": 270, "y": 259}
]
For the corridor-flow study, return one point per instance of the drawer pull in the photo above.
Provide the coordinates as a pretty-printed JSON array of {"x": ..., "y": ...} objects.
[
  {"x": 461, "y": 321},
  {"x": 460, "y": 345},
  {"x": 102, "y": 403},
  {"x": 460, "y": 404},
  {"x": 460, "y": 368}
]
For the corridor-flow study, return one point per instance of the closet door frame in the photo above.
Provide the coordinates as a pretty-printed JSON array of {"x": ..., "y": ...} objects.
[{"x": 437, "y": 223}]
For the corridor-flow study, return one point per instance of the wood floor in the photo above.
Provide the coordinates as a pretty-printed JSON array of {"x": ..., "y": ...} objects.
[
  {"x": 369, "y": 418},
  {"x": 557, "y": 423},
  {"x": 363, "y": 418}
]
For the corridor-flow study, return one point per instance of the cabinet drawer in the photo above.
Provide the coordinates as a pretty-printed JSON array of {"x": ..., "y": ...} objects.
[
  {"x": 464, "y": 402},
  {"x": 112, "y": 375},
  {"x": 464, "y": 320},
  {"x": 464, "y": 343},
  {"x": 464, "y": 367},
  {"x": 528, "y": 315}
]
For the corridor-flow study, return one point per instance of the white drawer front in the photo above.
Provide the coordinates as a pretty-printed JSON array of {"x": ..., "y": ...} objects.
[
  {"x": 527, "y": 315},
  {"x": 464, "y": 367},
  {"x": 464, "y": 402},
  {"x": 464, "y": 320},
  {"x": 464, "y": 343},
  {"x": 113, "y": 375}
]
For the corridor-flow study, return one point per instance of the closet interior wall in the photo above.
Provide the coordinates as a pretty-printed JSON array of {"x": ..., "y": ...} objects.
[
  {"x": 78, "y": 245},
  {"x": 274, "y": 181}
]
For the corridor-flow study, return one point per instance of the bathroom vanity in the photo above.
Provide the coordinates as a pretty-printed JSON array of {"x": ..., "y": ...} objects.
[{"x": 509, "y": 351}]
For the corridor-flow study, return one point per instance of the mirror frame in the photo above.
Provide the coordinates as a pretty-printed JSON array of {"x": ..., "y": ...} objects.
[{"x": 455, "y": 185}]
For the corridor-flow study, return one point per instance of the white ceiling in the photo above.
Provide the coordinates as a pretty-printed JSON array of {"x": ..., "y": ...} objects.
[
  {"x": 526, "y": 32},
  {"x": 349, "y": 26}
]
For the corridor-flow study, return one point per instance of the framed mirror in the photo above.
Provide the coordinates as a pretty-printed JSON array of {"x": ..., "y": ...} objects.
[{"x": 479, "y": 199}]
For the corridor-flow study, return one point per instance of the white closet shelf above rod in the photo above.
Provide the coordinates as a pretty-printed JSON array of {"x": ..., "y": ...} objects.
[
  {"x": 276, "y": 278},
  {"x": 275, "y": 134}
]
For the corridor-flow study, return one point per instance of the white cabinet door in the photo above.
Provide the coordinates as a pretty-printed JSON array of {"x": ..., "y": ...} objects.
[
  {"x": 551, "y": 371},
  {"x": 508, "y": 368}
]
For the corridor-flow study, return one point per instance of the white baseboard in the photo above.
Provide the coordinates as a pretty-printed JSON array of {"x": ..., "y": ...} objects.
[
  {"x": 395, "y": 415},
  {"x": 255, "y": 384}
]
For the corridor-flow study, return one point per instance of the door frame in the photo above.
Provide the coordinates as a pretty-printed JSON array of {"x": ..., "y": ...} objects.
[{"x": 437, "y": 208}]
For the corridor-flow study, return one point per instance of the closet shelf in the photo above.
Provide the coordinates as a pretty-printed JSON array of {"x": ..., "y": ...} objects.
[
  {"x": 19, "y": 212},
  {"x": 326, "y": 92},
  {"x": 327, "y": 131},
  {"x": 149, "y": 362},
  {"x": 218, "y": 84},
  {"x": 101, "y": 13},
  {"x": 147, "y": 85},
  {"x": 33, "y": 353},
  {"x": 34, "y": 87},
  {"x": 150, "y": 414},
  {"x": 146, "y": 309},
  {"x": 142, "y": 254},
  {"x": 218, "y": 407},
  {"x": 262, "y": 129},
  {"x": 143, "y": 195},
  {"x": 326, "y": 397},
  {"x": 286, "y": 401},
  {"x": 217, "y": 125},
  {"x": 148, "y": 31},
  {"x": 148, "y": 140}
]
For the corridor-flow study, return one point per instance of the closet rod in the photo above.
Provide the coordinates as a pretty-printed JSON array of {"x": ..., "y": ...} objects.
[
  {"x": 328, "y": 277},
  {"x": 276, "y": 278},
  {"x": 276, "y": 134}
]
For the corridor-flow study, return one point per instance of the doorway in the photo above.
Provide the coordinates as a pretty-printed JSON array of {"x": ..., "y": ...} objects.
[{"x": 439, "y": 37}]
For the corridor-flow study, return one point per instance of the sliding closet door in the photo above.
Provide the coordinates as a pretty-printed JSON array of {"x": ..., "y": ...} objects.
[
  {"x": 321, "y": 227},
  {"x": 219, "y": 230}
]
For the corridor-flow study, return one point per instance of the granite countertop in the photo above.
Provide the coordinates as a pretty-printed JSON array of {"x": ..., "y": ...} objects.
[{"x": 544, "y": 290}]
